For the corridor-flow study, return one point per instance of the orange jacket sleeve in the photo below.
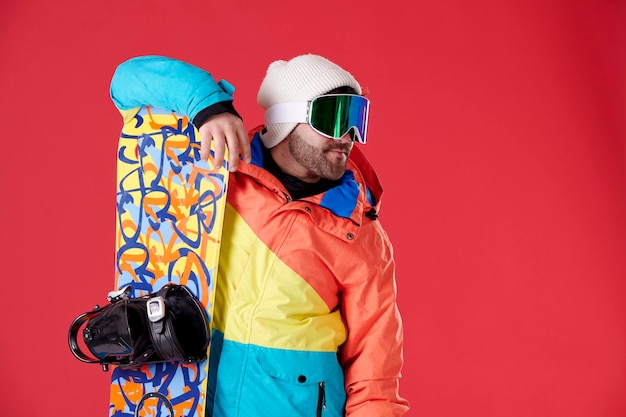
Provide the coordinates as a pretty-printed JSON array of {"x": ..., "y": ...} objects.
[{"x": 372, "y": 355}]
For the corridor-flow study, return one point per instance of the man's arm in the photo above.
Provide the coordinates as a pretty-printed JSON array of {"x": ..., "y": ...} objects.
[
  {"x": 179, "y": 86},
  {"x": 372, "y": 355}
]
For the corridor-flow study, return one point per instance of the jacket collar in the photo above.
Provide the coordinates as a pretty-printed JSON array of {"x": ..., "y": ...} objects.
[{"x": 358, "y": 193}]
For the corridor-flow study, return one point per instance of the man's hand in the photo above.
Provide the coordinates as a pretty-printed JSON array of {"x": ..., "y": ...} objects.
[{"x": 225, "y": 129}]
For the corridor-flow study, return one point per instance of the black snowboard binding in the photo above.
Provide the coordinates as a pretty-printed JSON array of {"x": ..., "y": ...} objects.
[{"x": 168, "y": 326}]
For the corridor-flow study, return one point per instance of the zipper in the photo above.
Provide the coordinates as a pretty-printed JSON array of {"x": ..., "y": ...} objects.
[{"x": 321, "y": 399}]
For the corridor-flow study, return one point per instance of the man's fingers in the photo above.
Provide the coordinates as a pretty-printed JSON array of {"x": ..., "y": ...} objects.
[
  {"x": 219, "y": 147},
  {"x": 205, "y": 147},
  {"x": 238, "y": 145},
  {"x": 244, "y": 149},
  {"x": 225, "y": 130},
  {"x": 205, "y": 142}
]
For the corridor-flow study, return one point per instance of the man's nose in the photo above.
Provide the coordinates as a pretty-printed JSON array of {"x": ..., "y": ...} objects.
[{"x": 347, "y": 137}]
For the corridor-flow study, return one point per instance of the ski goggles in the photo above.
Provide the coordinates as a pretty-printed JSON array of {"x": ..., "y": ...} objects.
[{"x": 332, "y": 115}]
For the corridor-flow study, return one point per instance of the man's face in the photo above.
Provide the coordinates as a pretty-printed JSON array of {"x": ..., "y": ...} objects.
[{"x": 318, "y": 155}]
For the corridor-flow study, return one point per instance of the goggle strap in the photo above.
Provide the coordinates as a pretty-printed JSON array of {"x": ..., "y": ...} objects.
[{"x": 295, "y": 112}]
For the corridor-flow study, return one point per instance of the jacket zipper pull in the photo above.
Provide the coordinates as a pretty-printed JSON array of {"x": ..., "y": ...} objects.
[
  {"x": 287, "y": 196},
  {"x": 322, "y": 398}
]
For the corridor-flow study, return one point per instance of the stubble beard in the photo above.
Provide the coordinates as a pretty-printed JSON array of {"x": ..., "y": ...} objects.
[{"x": 316, "y": 161}]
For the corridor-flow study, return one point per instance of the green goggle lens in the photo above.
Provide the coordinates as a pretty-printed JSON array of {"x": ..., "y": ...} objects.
[{"x": 334, "y": 115}]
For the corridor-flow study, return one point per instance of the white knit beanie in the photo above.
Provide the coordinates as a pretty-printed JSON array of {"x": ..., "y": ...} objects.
[{"x": 300, "y": 79}]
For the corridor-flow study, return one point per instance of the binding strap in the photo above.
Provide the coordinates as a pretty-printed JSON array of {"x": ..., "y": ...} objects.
[{"x": 161, "y": 323}]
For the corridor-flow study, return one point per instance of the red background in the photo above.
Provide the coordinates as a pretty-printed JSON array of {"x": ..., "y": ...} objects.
[{"x": 497, "y": 128}]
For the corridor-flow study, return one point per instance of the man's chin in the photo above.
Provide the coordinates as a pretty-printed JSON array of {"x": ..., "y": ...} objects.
[{"x": 335, "y": 174}]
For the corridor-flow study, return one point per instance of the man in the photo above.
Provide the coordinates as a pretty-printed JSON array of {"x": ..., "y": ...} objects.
[{"x": 305, "y": 321}]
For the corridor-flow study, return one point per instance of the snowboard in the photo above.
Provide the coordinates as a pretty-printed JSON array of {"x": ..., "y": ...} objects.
[{"x": 169, "y": 211}]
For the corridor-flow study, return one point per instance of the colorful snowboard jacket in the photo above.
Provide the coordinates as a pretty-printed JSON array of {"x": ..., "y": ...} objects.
[{"x": 305, "y": 320}]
